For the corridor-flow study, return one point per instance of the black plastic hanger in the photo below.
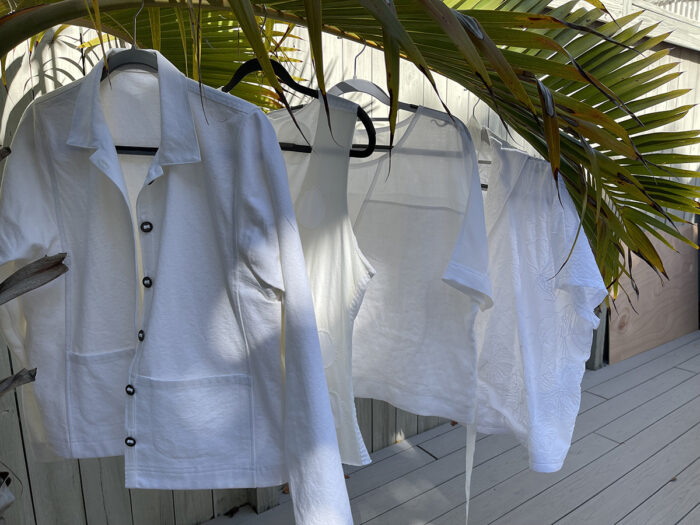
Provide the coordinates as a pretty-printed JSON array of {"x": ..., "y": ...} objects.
[
  {"x": 133, "y": 58},
  {"x": 253, "y": 65}
]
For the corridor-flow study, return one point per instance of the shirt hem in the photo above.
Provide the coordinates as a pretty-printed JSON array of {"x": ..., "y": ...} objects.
[
  {"x": 422, "y": 405},
  {"x": 141, "y": 478},
  {"x": 547, "y": 467}
]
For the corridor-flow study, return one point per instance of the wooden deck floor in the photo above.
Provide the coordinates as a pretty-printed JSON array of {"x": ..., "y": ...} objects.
[{"x": 635, "y": 460}]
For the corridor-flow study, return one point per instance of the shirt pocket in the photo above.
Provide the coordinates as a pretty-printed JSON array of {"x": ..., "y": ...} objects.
[
  {"x": 206, "y": 418},
  {"x": 96, "y": 387}
]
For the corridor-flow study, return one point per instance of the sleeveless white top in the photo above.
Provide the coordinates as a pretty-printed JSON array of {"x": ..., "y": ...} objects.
[{"x": 338, "y": 272}]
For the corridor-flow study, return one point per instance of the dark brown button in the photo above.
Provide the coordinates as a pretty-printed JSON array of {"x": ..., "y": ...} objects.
[
  {"x": 141, "y": 335},
  {"x": 147, "y": 282},
  {"x": 146, "y": 227},
  {"x": 130, "y": 390},
  {"x": 130, "y": 442}
]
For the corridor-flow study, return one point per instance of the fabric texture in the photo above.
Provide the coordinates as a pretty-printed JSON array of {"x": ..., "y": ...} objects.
[
  {"x": 418, "y": 216},
  {"x": 536, "y": 339},
  {"x": 221, "y": 355},
  {"x": 338, "y": 271}
]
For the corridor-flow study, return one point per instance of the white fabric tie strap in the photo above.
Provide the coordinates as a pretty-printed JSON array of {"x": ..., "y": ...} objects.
[{"x": 469, "y": 465}]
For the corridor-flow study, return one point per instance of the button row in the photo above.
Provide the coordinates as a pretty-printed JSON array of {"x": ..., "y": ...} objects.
[{"x": 146, "y": 227}]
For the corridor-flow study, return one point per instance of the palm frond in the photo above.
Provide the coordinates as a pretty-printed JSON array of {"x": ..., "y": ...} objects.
[{"x": 571, "y": 81}]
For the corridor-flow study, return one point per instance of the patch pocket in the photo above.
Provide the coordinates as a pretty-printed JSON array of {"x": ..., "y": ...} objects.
[
  {"x": 96, "y": 386},
  {"x": 202, "y": 418}
]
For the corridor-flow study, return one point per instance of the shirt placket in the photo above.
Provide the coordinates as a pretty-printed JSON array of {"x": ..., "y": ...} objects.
[{"x": 143, "y": 232}]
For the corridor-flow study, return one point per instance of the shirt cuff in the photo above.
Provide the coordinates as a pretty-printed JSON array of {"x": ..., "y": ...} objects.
[{"x": 469, "y": 281}]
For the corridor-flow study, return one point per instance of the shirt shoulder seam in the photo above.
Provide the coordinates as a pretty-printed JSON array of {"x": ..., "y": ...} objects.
[{"x": 219, "y": 97}]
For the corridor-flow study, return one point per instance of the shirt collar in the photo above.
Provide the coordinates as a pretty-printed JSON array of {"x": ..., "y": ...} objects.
[
  {"x": 504, "y": 173},
  {"x": 178, "y": 142}
]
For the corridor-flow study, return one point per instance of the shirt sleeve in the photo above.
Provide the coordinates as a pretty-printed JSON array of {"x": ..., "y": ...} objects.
[
  {"x": 467, "y": 270},
  {"x": 311, "y": 448},
  {"x": 28, "y": 226},
  {"x": 580, "y": 276}
]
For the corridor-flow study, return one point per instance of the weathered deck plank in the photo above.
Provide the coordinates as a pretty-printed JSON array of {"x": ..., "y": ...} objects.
[
  {"x": 638, "y": 485},
  {"x": 388, "y": 470},
  {"x": 692, "y": 365},
  {"x": 414, "y": 484},
  {"x": 692, "y": 518},
  {"x": 628, "y": 380},
  {"x": 596, "y": 377},
  {"x": 588, "y": 401},
  {"x": 636, "y": 420},
  {"x": 557, "y": 501},
  {"x": 637, "y": 429},
  {"x": 616, "y": 407}
]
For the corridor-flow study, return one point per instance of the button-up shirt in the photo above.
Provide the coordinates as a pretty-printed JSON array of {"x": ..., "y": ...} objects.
[{"x": 183, "y": 336}]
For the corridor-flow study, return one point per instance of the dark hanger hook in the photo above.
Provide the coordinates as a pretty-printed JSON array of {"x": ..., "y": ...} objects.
[{"x": 253, "y": 65}]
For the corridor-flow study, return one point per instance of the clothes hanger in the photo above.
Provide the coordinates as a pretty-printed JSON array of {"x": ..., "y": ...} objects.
[
  {"x": 133, "y": 58},
  {"x": 479, "y": 134},
  {"x": 359, "y": 85},
  {"x": 283, "y": 75}
]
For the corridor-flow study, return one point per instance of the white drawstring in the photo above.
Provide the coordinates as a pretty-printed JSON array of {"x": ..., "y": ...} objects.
[{"x": 469, "y": 465}]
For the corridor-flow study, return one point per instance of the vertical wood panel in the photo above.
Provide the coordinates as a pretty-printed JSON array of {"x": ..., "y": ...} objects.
[
  {"x": 432, "y": 99},
  {"x": 352, "y": 51},
  {"x": 262, "y": 499},
  {"x": 411, "y": 86},
  {"x": 363, "y": 406},
  {"x": 666, "y": 309},
  {"x": 333, "y": 59},
  {"x": 406, "y": 424},
  {"x": 12, "y": 451},
  {"x": 192, "y": 506},
  {"x": 105, "y": 498},
  {"x": 383, "y": 424},
  {"x": 152, "y": 507},
  {"x": 57, "y": 492},
  {"x": 428, "y": 422},
  {"x": 227, "y": 499}
]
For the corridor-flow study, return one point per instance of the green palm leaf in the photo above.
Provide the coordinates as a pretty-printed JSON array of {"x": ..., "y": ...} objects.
[{"x": 565, "y": 79}]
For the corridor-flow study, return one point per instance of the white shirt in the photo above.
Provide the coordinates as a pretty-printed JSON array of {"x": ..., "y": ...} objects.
[
  {"x": 338, "y": 271},
  {"x": 536, "y": 339},
  {"x": 421, "y": 226},
  {"x": 209, "y": 403}
]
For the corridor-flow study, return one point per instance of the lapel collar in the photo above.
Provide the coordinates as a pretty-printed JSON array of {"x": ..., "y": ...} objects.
[
  {"x": 179, "y": 143},
  {"x": 178, "y": 137}
]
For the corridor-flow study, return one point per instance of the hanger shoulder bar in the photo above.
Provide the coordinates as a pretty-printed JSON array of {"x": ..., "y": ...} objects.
[{"x": 136, "y": 150}]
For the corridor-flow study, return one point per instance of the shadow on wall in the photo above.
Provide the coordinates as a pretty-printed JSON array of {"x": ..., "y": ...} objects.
[{"x": 34, "y": 68}]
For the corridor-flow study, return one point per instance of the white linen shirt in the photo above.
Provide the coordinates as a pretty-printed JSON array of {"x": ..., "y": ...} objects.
[
  {"x": 224, "y": 385},
  {"x": 419, "y": 219},
  {"x": 534, "y": 342}
]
